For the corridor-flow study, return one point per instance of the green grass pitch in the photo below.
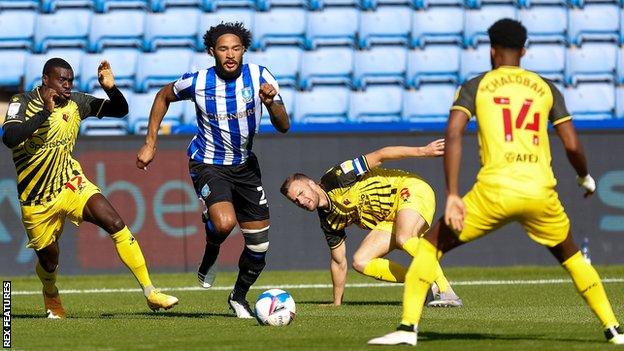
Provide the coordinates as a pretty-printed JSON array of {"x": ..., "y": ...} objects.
[{"x": 520, "y": 316}]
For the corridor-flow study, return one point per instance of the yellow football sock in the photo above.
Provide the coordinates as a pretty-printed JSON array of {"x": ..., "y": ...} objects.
[
  {"x": 130, "y": 253},
  {"x": 410, "y": 247},
  {"x": 422, "y": 272},
  {"x": 384, "y": 269},
  {"x": 48, "y": 279},
  {"x": 588, "y": 284}
]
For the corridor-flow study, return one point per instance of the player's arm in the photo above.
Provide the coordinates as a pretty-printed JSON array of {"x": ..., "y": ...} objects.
[
  {"x": 377, "y": 157},
  {"x": 338, "y": 266},
  {"x": 455, "y": 211},
  {"x": 17, "y": 128},
  {"x": 116, "y": 104},
  {"x": 269, "y": 95}
]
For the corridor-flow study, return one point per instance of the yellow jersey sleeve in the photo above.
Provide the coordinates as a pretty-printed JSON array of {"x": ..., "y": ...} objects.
[{"x": 466, "y": 96}]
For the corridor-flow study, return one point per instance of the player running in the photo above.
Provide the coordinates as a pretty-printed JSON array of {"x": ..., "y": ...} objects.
[
  {"x": 41, "y": 128},
  {"x": 395, "y": 205},
  {"x": 515, "y": 183},
  {"x": 228, "y": 98}
]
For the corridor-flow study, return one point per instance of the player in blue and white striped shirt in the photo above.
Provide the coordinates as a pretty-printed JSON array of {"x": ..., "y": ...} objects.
[{"x": 228, "y": 101}]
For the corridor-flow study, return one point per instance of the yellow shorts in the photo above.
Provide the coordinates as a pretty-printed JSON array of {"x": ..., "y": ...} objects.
[
  {"x": 44, "y": 223},
  {"x": 487, "y": 209},
  {"x": 412, "y": 193}
]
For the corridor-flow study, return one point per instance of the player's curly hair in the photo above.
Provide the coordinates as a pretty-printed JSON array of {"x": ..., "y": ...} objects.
[
  {"x": 236, "y": 28},
  {"x": 507, "y": 33},
  {"x": 290, "y": 179}
]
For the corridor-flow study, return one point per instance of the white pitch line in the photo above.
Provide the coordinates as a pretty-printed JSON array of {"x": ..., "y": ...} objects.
[{"x": 321, "y": 286}]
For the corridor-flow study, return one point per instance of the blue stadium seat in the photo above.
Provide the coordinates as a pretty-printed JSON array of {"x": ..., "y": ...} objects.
[
  {"x": 161, "y": 67},
  {"x": 322, "y": 105},
  {"x": 320, "y": 4},
  {"x": 594, "y": 23},
  {"x": 214, "y": 5},
  {"x": 591, "y": 62},
  {"x": 288, "y": 97},
  {"x": 477, "y": 22},
  {"x": 123, "y": 63},
  {"x": 326, "y": 66},
  {"x": 373, "y": 4},
  {"x": 619, "y": 102},
  {"x": 265, "y": 5},
  {"x": 208, "y": 20},
  {"x": 474, "y": 62},
  {"x": 138, "y": 116},
  {"x": 12, "y": 62},
  {"x": 582, "y": 3},
  {"x": 106, "y": 125},
  {"x": 176, "y": 27},
  {"x": 540, "y": 30},
  {"x": 476, "y": 4},
  {"x": 332, "y": 26},
  {"x": 162, "y": 5},
  {"x": 19, "y": 4},
  {"x": 17, "y": 28},
  {"x": 425, "y": 4},
  {"x": 117, "y": 28},
  {"x": 548, "y": 60},
  {"x": 590, "y": 101},
  {"x": 279, "y": 26},
  {"x": 380, "y": 103},
  {"x": 436, "y": 63},
  {"x": 437, "y": 25},
  {"x": 49, "y": 6},
  {"x": 64, "y": 28},
  {"x": 381, "y": 64},
  {"x": 530, "y": 3},
  {"x": 619, "y": 69},
  {"x": 386, "y": 25},
  {"x": 106, "y": 5},
  {"x": 282, "y": 62},
  {"x": 429, "y": 103},
  {"x": 34, "y": 66}
]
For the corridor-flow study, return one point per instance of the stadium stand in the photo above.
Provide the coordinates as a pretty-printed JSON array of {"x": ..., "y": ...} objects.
[
  {"x": 117, "y": 28},
  {"x": 434, "y": 63},
  {"x": 326, "y": 66},
  {"x": 17, "y": 28},
  {"x": 62, "y": 29},
  {"x": 437, "y": 25},
  {"x": 333, "y": 26}
]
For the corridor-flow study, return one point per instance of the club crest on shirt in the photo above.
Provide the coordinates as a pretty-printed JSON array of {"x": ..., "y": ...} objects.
[
  {"x": 405, "y": 194},
  {"x": 65, "y": 117},
  {"x": 247, "y": 95},
  {"x": 205, "y": 191}
]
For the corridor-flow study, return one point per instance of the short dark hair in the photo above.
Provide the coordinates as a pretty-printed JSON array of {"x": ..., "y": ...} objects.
[
  {"x": 507, "y": 33},
  {"x": 290, "y": 179},
  {"x": 54, "y": 63},
  {"x": 236, "y": 28}
]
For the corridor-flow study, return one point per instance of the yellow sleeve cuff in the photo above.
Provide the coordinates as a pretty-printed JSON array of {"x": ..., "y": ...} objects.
[
  {"x": 462, "y": 109},
  {"x": 561, "y": 120}
]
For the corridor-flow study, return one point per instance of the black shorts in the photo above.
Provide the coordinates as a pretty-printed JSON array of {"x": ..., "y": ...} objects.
[{"x": 241, "y": 185}]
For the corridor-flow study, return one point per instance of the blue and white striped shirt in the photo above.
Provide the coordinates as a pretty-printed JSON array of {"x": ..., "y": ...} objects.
[{"x": 228, "y": 112}]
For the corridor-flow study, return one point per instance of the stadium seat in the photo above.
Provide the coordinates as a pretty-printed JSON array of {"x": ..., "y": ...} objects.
[
  {"x": 436, "y": 63},
  {"x": 381, "y": 103},
  {"x": 161, "y": 67},
  {"x": 373, "y": 4},
  {"x": 619, "y": 69},
  {"x": 19, "y": 4},
  {"x": 214, "y": 5},
  {"x": 265, "y": 5},
  {"x": 117, "y": 28},
  {"x": 582, "y": 3},
  {"x": 477, "y": 22},
  {"x": 208, "y": 20},
  {"x": 590, "y": 101},
  {"x": 320, "y": 4},
  {"x": 106, "y": 125},
  {"x": 426, "y": 4},
  {"x": 332, "y": 26},
  {"x": 12, "y": 62},
  {"x": 552, "y": 30},
  {"x": 594, "y": 23},
  {"x": 176, "y": 27},
  {"x": 322, "y": 105},
  {"x": 326, "y": 66},
  {"x": 548, "y": 60},
  {"x": 34, "y": 66},
  {"x": 619, "y": 102},
  {"x": 386, "y": 25},
  {"x": 279, "y": 26},
  {"x": 64, "y": 28},
  {"x": 429, "y": 103},
  {"x": 437, "y": 25},
  {"x": 162, "y": 5},
  {"x": 474, "y": 62},
  {"x": 531, "y": 3},
  {"x": 106, "y": 5},
  {"x": 591, "y": 62},
  {"x": 288, "y": 97},
  {"x": 380, "y": 64},
  {"x": 282, "y": 62},
  {"x": 476, "y": 4},
  {"x": 17, "y": 28},
  {"x": 123, "y": 63},
  {"x": 138, "y": 116},
  {"x": 49, "y": 6}
]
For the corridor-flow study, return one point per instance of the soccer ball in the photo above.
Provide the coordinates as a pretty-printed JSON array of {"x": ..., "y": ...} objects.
[{"x": 275, "y": 307}]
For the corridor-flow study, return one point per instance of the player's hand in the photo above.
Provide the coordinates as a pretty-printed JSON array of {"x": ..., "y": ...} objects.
[
  {"x": 145, "y": 156},
  {"x": 105, "y": 75},
  {"x": 455, "y": 212},
  {"x": 435, "y": 148},
  {"x": 588, "y": 183},
  {"x": 48, "y": 95},
  {"x": 267, "y": 93}
]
